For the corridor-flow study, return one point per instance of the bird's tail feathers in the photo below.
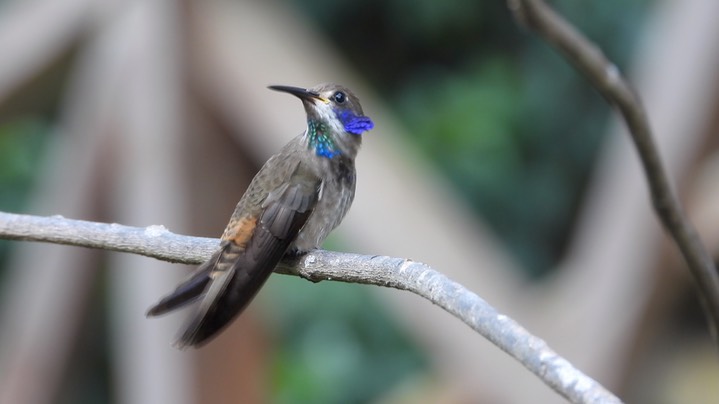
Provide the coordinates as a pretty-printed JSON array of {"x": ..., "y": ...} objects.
[{"x": 188, "y": 291}]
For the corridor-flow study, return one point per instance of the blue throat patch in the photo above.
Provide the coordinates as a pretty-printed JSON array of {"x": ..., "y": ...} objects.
[{"x": 322, "y": 141}]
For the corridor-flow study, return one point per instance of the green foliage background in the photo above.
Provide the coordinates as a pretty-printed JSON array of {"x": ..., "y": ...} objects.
[
  {"x": 502, "y": 115},
  {"x": 22, "y": 141}
]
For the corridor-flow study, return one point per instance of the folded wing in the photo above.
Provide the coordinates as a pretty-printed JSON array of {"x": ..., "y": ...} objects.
[{"x": 231, "y": 278}]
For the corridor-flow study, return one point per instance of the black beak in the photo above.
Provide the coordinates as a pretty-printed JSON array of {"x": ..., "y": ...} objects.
[{"x": 301, "y": 93}]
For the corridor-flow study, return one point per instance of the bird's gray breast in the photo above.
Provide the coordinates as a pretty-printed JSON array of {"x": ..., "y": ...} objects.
[{"x": 337, "y": 193}]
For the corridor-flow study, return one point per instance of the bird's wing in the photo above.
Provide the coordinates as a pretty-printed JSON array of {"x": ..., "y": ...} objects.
[{"x": 253, "y": 248}]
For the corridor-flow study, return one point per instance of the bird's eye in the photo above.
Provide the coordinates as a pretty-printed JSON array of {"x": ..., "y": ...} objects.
[{"x": 339, "y": 97}]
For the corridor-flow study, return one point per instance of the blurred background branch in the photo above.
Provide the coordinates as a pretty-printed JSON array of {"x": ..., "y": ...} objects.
[{"x": 609, "y": 81}]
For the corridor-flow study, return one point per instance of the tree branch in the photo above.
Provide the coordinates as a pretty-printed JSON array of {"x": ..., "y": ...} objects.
[
  {"x": 158, "y": 242},
  {"x": 608, "y": 80}
]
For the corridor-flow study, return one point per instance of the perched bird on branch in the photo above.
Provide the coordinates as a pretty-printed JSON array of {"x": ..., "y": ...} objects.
[{"x": 299, "y": 195}]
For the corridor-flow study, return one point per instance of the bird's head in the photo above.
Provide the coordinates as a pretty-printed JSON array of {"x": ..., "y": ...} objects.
[{"x": 335, "y": 121}]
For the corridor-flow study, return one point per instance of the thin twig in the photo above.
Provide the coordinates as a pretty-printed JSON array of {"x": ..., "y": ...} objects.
[
  {"x": 157, "y": 242},
  {"x": 608, "y": 80}
]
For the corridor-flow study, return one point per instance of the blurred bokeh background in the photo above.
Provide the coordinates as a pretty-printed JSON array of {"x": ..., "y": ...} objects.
[{"x": 492, "y": 160}]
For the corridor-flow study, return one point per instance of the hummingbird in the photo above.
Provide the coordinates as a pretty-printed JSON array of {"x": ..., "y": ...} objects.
[{"x": 299, "y": 195}]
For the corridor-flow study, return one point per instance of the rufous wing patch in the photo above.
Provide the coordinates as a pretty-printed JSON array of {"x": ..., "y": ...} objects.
[{"x": 239, "y": 231}]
